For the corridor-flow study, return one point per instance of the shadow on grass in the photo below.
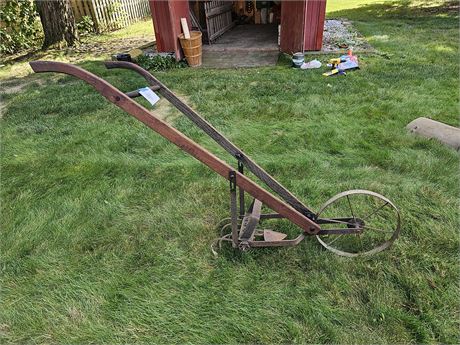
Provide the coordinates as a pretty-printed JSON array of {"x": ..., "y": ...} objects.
[{"x": 36, "y": 53}]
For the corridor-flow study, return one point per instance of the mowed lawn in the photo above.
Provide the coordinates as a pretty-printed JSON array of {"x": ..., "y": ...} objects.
[{"x": 106, "y": 227}]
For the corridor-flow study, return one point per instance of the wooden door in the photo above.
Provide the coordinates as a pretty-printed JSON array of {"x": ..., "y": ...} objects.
[
  {"x": 292, "y": 26},
  {"x": 218, "y": 18},
  {"x": 315, "y": 12}
]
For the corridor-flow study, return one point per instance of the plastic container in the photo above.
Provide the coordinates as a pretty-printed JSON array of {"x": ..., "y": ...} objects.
[{"x": 298, "y": 59}]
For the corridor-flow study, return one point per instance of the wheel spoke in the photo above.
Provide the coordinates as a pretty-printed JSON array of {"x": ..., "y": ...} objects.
[
  {"x": 351, "y": 208},
  {"x": 376, "y": 210},
  {"x": 335, "y": 239},
  {"x": 338, "y": 221}
]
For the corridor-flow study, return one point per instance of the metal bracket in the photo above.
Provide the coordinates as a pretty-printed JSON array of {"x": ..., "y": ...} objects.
[
  {"x": 241, "y": 190},
  {"x": 233, "y": 208},
  {"x": 232, "y": 179},
  {"x": 240, "y": 166}
]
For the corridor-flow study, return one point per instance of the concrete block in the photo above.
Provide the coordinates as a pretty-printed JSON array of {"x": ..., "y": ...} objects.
[{"x": 428, "y": 128}]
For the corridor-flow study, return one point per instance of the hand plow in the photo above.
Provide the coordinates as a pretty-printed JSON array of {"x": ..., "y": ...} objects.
[{"x": 352, "y": 223}]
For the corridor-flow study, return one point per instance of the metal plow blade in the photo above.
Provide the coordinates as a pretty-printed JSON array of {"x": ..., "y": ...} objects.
[{"x": 270, "y": 235}]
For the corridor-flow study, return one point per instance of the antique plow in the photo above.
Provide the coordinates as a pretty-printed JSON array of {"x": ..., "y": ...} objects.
[{"x": 352, "y": 223}]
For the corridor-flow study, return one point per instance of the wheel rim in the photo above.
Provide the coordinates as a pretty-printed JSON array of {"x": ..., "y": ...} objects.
[{"x": 375, "y": 214}]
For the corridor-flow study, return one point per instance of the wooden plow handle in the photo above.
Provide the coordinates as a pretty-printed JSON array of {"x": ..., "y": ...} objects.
[
  {"x": 218, "y": 137},
  {"x": 170, "y": 133}
]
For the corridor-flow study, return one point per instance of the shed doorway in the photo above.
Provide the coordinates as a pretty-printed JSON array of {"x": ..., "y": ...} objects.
[
  {"x": 301, "y": 24},
  {"x": 237, "y": 25},
  {"x": 238, "y": 33}
]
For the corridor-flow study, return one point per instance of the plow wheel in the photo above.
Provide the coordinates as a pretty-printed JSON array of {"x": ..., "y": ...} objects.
[{"x": 375, "y": 218}]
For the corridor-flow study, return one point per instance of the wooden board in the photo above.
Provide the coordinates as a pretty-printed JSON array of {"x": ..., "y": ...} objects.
[
  {"x": 315, "y": 12},
  {"x": 218, "y": 18},
  {"x": 292, "y": 26},
  {"x": 185, "y": 30}
]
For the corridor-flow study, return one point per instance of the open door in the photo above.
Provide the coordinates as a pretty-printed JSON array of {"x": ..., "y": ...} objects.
[
  {"x": 218, "y": 18},
  {"x": 315, "y": 13},
  {"x": 292, "y": 26}
]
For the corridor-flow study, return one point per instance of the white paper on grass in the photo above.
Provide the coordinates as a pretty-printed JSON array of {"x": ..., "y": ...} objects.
[{"x": 149, "y": 95}]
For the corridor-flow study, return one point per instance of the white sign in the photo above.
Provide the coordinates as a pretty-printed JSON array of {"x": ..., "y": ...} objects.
[{"x": 149, "y": 95}]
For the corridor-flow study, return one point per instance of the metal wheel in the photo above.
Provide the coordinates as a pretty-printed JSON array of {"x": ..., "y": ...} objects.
[{"x": 375, "y": 218}]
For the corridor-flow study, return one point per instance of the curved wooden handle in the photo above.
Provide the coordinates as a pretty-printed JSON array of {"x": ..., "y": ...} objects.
[
  {"x": 104, "y": 88},
  {"x": 149, "y": 119},
  {"x": 132, "y": 66}
]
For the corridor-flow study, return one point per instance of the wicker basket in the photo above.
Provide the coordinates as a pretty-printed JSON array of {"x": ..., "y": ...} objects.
[{"x": 192, "y": 48}]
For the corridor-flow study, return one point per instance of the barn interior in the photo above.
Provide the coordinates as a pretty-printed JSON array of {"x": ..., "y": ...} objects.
[{"x": 237, "y": 25}]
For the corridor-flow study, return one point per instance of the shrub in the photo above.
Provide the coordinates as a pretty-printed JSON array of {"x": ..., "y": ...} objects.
[
  {"x": 86, "y": 26},
  {"x": 159, "y": 62},
  {"x": 19, "y": 30}
]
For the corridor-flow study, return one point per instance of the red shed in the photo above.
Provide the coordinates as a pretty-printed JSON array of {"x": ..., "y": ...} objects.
[{"x": 298, "y": 24}]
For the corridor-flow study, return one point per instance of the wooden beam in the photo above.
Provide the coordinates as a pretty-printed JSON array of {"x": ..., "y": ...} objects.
[
  {"x": 219, "y": 10},
  {"x": 170, "y": 133},
  {"x": 218, "y": 137}
]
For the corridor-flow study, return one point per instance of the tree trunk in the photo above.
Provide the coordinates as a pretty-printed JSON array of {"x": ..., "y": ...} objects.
[{"x": 58, "y": 23}]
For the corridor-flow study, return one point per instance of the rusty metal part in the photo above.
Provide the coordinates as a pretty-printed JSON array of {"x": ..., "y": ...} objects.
[
  {"x": 250, "y": 221},
  {"x": 360, "y": 224},
  {"x": 282, "y": 243},
  {"x": 135, "y": 93},
  {"x": 241, "y": 191},
  {"x": 234, "y": 216},
  {"x": 270, "y": 235}
]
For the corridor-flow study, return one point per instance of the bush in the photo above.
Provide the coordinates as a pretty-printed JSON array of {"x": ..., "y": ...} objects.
[
  {"x": 86, "y": 26},
  {"x": 159, "y": 62},
  {"x": 20, "y": 29}
]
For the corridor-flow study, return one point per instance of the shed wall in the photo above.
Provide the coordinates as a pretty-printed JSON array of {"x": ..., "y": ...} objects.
[
  {"x": 292, "y": 26},
  {"x": 166, "y": 22},
  {"x": 315, "y": 13}
]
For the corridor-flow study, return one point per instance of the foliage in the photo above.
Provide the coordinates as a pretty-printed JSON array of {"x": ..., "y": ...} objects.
[
  {"x": 20, "y": 30},
  {"x": 85, "y": 25},
  {"x": 95, "y": 46},
  {"x": 159, "y": 62}
]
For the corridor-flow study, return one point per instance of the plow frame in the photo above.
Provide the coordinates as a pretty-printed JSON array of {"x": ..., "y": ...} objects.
[{"x": 242, "y": 236}]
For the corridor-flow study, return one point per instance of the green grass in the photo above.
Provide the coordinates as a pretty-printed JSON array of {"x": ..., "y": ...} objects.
[{"x": 106, "y": 227}]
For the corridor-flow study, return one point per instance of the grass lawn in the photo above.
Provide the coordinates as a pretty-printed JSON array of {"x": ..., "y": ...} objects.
[{"x": 106, "y": 227}]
